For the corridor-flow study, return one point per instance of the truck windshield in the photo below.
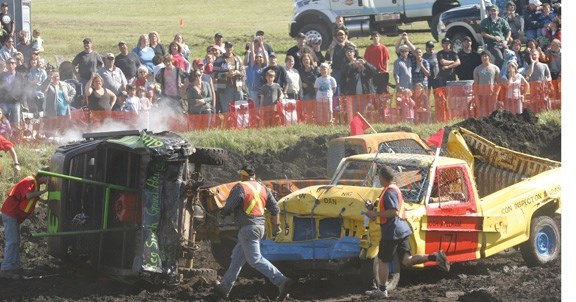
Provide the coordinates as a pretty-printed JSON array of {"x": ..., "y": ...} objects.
[{"x": 412, "y": 180}]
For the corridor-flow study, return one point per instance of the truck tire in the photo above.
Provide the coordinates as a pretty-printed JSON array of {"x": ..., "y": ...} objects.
[
  {"x": 208, "y": 156},
  {"x": 543, "y": 245},
  {"x": 433, "y": 23},
  {"x": 367, "y": 276},
  {"x": 457, "y": 39},
  {"x": 318, "y": 31}
]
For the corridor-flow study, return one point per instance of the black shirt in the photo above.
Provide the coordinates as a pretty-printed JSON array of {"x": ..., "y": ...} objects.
[{"x": 468, "y": 61}]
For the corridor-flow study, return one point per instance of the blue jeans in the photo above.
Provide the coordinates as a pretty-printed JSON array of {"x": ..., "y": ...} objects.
[
  {"x": 12, "y": 245},
  {"x": 248, "y": 250},
  {"x": 226, "y": 96},
  {"x": 12, "y": 110}
]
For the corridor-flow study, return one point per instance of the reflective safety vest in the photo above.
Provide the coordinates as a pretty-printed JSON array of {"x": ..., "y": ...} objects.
[
  {"x": 381, "y": 208},
  {"x": 26, "y": 205},
  {"x": 254, "y": 198}
]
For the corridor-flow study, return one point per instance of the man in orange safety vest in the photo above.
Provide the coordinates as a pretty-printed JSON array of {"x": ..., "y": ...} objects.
[{"x": 247, "y": 200}]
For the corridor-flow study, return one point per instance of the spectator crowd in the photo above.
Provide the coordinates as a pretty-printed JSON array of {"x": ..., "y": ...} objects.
[{"x": 521, "y": 56}]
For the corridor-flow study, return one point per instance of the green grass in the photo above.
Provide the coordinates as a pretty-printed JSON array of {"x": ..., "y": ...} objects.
[{"x": 64, "y": 24}]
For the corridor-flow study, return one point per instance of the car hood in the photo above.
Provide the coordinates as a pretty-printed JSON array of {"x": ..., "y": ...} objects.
[{"x": 330, "y": 201}]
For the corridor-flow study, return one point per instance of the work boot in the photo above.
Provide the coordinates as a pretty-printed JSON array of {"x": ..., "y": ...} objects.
[
  {"x": 284, "y": 288},
  {"x": 442, "y": 260},
  {"x": 377, "y": 293},
  {"x": 221, "y": 291}
]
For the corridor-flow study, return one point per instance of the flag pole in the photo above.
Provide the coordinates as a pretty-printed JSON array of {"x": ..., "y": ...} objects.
[{"x": 365, "y": 121}]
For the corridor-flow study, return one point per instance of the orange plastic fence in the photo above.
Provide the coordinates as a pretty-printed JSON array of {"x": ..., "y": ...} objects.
[{"x": 447, "y": 103}]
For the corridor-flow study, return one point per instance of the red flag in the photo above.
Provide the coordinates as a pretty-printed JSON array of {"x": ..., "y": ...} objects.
[
  {"x": 436, "y": 138},
  {"x": 181, "y": 22},
  {"x": 358, "y": 125}
]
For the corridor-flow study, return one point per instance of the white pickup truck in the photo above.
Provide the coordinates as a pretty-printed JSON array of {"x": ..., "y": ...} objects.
[{"x": 316, "y": 18}]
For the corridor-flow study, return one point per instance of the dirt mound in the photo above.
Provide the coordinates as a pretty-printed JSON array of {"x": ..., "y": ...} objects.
[
  {"x": 498, "y": 278},
  {"x": 520, "y": 132}
]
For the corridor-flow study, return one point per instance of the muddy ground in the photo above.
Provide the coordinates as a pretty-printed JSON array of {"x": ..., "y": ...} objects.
[{"x": 501, "y": 278}]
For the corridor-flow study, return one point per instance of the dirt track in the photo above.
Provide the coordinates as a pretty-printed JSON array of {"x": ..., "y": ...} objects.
[{"x": 501, "y": 278}]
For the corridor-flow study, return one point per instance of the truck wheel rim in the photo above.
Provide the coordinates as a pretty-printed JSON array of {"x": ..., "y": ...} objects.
[{"x": 545, "y": 241}]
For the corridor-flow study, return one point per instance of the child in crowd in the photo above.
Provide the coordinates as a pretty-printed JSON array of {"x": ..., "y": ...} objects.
[
  {"x": 325, "y": 86},
  {"x": 209, "y": 63},
  {"x": 145, "y": 102},
  {"x": 406, "y": 105},
  {"x": 422, "y": 101},
  {"x": 132, "y": 103},
  {"x": 37, "y": 43},
  {"x": 293, "y": 90},
  {"x": 270, "y": 93}
]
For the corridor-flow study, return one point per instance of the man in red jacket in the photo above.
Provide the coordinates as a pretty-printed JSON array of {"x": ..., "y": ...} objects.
[{"x": 19, "y": 204}]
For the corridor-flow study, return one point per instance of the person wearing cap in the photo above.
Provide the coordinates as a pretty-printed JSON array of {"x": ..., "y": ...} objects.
[
  {"x": 19, "y": 204},
  {"x": 486, "y": 85},
  {"x": 7, "y": 22},
  {"x": 127, "y": 61},
  {"x": 389, "y": 214},
  {"x": 430, "y": 56},
  {"x": 114, "y": 78},
  {"x": 219, "y": 42},
  {"x": 496, "y": 33},
  {"x": 295, "y": 51},
  {"x": 531, "y": 19},
  {"x": 337, "y": 56},
  {"x": 279, "y": 71},
  {"x": 260, "y": 36},
  {"x": 88, "y": 61},
  {"x": 447, "y": 62},
  {"x": 377, "y": 55},
  {"x": 469, "y": 59},
  {"x": 229, "y": 75},
  {"x": 249, "y": 200},
  {"x": 199, "y": 65}
]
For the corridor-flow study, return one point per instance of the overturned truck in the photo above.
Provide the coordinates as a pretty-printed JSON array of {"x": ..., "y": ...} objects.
[{"x": 117, "y": 202}]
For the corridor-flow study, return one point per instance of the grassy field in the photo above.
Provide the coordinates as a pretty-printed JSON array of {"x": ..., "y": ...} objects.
[{"x": 64, "y": 24}]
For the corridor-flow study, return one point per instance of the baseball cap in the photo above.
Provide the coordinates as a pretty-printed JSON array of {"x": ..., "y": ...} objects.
[
  {"x": 228, "y": 44},
  {"x": 122, "y": 42},
  {"x": 109, "y": 56},
  {"x": 403, "y": 48},
  {"x": 87, "y": 40},
  {"x": 492, "y": 7},
  {"x": 198, "y": 62},
  {"x": 218, "y": 35},
  {"x": 301, "y": 36},
  {"x": 430, "y": 44},
  {"x": 4, "y": 4},
  {"x": 446, "y": 40},
  {"x": 247, "y": 170},
  {"x": 467, "y": 38},
  {"x": 260, "y": 33},
  {"x": 374, "y": 34},
  {"x": 272, "y": 55},
  {"x": 535, "y": 2}
]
